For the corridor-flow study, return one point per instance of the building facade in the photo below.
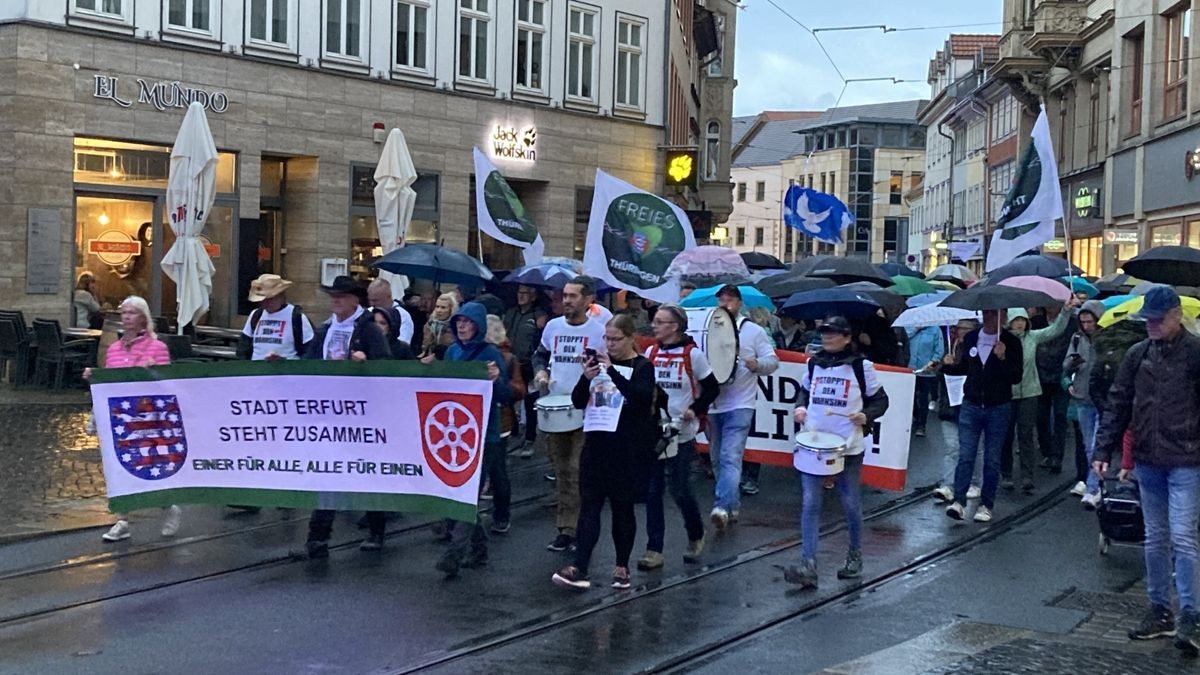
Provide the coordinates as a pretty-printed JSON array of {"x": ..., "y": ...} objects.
[{"x": 299, "y": 97}]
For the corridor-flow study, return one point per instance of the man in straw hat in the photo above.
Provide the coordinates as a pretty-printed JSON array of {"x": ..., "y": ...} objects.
[{"x": 276, "y": 330}]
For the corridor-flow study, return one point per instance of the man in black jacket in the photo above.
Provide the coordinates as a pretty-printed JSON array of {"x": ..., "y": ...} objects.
[
  {"x": 993, "y": 362},
  {"x": 1156, "y": 396},
  {"x": 349, "y": 334}
]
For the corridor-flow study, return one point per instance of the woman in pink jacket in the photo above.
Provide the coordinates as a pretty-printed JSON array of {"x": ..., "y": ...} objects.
[{"x": 138, "y": 347}]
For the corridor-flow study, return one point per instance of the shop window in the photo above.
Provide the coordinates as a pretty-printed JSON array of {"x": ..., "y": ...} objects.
[
  {"x": 474, "y": 28},
  {"x": 115, "y": 163},
  {"x": 413, "y": 46},
  {"x": 1194, "y": 234},
  {"x": 364, "y": 228},
  {"x": 1166, "y": 235},
  {"x": 345, "y": 21},
  {"x": 190, "y": 15},
  {"x": 269, "y": 21},
  {"x": 531, "y": 44},
  {"x": 1178, "y": 28},
  {"x": 630, "y": 50},
  {"x": 581, "y": 52},
  {"x": 583, "y": 213}
]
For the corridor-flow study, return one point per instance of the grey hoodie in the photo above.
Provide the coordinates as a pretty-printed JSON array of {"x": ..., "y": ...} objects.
[{"x": 1080, "y": 370}]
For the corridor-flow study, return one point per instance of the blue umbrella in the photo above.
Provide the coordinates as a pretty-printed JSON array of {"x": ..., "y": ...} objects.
[
  {"x": 707, "y": 297},
  {"x": 825, "y": 302},
  {"x": 928, "y": 298},
  {"x": 439, "y": 264},
  {"x": 1081, "y": 285},
  {"x": 1116, "y": 301}
]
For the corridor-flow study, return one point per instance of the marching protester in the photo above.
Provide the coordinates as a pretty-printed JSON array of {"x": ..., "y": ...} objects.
[
  {"x": 1077, "y": 365},
  {"x": 993, "y": 361},
  {"x": 138, "y": 347},
  {"x": 387, "y": 320},
  {"x": 750, "y": 470},
  {"x": 566, "y": 344},
  {"x": 948, "y": 417},
  {"x": 1026, "y": 395},
  {"x": 277, "y": 330},
  {"x": 791, "y": 335},
  {"x": 468, "y": 547},
  {"x": 732, "y": 412},
  {"x": 925, "y": 352},
  {"x": 1156, "y": 396},
  {"x": 379, "y": 296},
  {"x": 681, "y": 370},
  {"x": 349, "y": 334},
  {"x": 1054, "y": 399},
  {"x": 516, "y": 381},
  {"x": 617, "y": 451},
  {"x": 437, "y": 328},
  {"x": 841, "y": 395},
  {"x": 524, "y": 323}
]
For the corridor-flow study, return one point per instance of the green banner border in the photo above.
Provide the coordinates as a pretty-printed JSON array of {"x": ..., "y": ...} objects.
[
  {"x": 297, "y": 499},
  {"x": 471, "y": 370}
]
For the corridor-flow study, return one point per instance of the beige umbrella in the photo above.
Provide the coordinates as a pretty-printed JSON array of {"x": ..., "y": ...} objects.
[
  {"x": 394, "y": 200},
  {"x": 190, "y": 195}
]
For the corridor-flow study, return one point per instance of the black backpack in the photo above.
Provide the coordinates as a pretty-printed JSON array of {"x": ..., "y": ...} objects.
[{"x": 297, "y": 327}]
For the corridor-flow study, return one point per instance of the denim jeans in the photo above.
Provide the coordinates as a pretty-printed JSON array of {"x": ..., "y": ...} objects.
[
  {"x": 1089, "y": 419},
  {"x": 1170, "y": 509},
  {"x": 672, "y": 474},
  {"x": 991, "y": 424},
  {"x": 848, "y": 493},
  {"x": 727, "y": 433}
]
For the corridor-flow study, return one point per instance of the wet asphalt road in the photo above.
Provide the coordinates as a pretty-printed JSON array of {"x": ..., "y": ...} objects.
[{"x": 230, "y": 596}]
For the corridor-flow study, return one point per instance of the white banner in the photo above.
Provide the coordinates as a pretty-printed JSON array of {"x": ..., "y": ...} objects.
[
  {"x": 772, "y": 434},
  {"x": 632, "y": 238},
  {"x": 1027, "y": 217},
  {"x": 501, "y": 214},
  {"x": 316, "y": 440}
]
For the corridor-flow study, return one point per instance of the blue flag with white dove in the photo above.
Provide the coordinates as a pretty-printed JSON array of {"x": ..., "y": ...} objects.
[{"x": 821, "y": 216}]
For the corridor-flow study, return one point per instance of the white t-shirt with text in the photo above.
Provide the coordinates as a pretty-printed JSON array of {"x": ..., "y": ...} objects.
[
  {"x": 566, "y": 343},
  {"x": 274, "y": 333},
  {"x": 671, "y": 374},
  {"x": 834, "y": 393},
  {"x": 337, "y": 339}
]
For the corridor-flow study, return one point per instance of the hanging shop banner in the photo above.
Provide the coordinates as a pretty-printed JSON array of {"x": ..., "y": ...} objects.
[
  {"x": 301, "y": 434},
  {"x": 501, "y": 214},
  {"x": 632, "y": 238},
  {"x": 772, "y": 433}
]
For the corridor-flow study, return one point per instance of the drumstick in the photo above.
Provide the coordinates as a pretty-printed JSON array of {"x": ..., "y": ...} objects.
[{"x": 829, "y": 412}]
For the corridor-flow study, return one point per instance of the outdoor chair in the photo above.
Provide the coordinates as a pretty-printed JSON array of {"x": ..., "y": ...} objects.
[
  {"x": 57, "y": 355},
  {"x": 180, "y": 348},
  {"x": 15, "y": 350}
]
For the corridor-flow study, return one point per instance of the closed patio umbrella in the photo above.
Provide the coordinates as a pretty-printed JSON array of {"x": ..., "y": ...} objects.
[
  {"x": 190, "y": 195},
  {"x": 394, "y": 199}
]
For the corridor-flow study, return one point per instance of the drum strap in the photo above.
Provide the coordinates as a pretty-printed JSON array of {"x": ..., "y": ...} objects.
[
  {"x": 860, "y": 374},
  {"x": 687, "y": 362}
]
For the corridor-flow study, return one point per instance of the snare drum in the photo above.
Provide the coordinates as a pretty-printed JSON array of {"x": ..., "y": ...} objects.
[
  {"x": 715, "y": 333},
  {"x": 819, "y": 453},
  {"x": 556, "y": 414}
]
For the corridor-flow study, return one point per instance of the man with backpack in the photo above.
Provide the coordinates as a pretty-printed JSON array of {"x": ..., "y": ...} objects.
[
  {"x": 1156, "y": 395},
  {"x": 276, "y": 330},
  {"x": 1077, "y": 365}
]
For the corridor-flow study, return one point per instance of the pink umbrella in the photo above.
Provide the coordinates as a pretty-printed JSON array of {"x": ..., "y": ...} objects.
[
  {"x": 708, "y": 261},
  {"x": 1051, "y": 287}
]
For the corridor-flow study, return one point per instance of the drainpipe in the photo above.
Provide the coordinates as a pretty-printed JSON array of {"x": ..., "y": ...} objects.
[{"x": 948, "y": 233}]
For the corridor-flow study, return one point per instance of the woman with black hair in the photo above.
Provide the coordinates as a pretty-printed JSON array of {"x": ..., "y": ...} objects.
[{"x": 388, "y": 321}]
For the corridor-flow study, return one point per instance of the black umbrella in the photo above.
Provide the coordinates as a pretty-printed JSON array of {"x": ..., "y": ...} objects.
[
  {"x": 843, "y": 270},
  {"x": 1035, "y": 266},
  {"x": 1172, "y": 265},
  {"x": 897, "y": 270},
  {"x": 891, "y": 303},
  {"x": 762, "y": 261},
  {"x": 825, "y": 302},
  {"x": 783, "y": 285},
  {"x": 995, "y": 296},
  {"x": 436, "y": 263},
  {"x": 1116, "y": 283}
]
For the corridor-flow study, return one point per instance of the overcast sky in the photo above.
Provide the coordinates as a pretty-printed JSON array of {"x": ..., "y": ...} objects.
[{"x": 780, "y": 67}]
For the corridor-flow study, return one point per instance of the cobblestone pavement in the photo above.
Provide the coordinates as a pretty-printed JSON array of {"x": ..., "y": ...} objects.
[
  {"x": 52, "y": 477},
  {"x": 1031, "y": 655}
]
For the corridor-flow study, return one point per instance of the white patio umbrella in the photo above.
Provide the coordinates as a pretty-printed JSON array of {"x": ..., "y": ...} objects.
[
  {"x": 190, "y": 195},
  {"x": 394, "y": 200}
]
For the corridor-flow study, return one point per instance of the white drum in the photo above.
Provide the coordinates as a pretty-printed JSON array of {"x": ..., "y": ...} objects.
[
  {"x": 819, "y": 453},
  {"x": 715, "y": 333},
  {"x": 556, "y": 414}
]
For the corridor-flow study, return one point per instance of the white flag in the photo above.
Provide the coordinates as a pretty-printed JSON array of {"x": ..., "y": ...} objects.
[
  {"x": 633, "y": 236},
  {"x": 501, "y": 214},
  {"x": 1033, "y": 203}
]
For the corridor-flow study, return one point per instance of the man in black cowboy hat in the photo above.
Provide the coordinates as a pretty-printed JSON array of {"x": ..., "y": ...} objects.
[{"x": 349, "y": 333}]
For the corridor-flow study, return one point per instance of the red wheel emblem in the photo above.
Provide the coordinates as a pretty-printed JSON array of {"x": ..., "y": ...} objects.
[{"x": 452, "y": 439}]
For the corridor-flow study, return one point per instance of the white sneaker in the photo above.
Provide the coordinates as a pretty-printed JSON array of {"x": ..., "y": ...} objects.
[
  {"x": 1091, "y": 502},
  {"x": 944, "y": 494},
  {"x": 955, "y": 511},
  {"x": 119, "y": 531},
  {"x": 974, "y": 492},
  {"x": 719, "y": 518},
  {"x": 983, "y": 515},
  {"x": 171, "y": 522},
  {"x": 1080, "y": 489}
]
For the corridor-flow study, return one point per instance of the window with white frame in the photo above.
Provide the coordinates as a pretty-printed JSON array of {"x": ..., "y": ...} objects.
[
  {"x": 193, "y": 15},
  {"x": 581, "y": 52},
  {"x": 269, "y": 22},
  {"x": 345, "y": 22},
  {"x": 109, "y": 9},
  {"x": 715, "y": 66},
  {"x": 712, "y": 152},
  {"x": 474, "y": 56},
  {"x": 413, "y": 46},
  {"x": 532, "y": 44},
  {"x": 631, "y": 48}
]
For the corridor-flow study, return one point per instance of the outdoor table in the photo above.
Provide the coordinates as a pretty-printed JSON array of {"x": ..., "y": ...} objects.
[
  {"x": 82, "y": 333},
  {"x": 215, "y": 352},
  {"x": 216, "y": 333}
]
